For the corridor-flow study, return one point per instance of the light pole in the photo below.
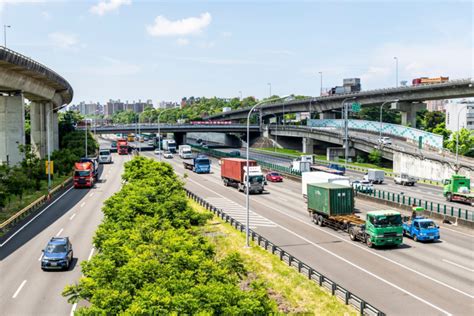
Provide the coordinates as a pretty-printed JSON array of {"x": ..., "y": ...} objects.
[
  {"x": 346, "y": 128},
  {"x": 321, "y": 89},
  {"x": 159, "y": 134},
  {"x": 381, "y": 108},
  {"x": 247, "y": 198},
  {"x": 5, "y": 34},
  {"x": 396, "y": 71},
  {"x": 457, "y": 135},
  {"x": 270, "y": 89},
  {"x": 276, "y": 130}
]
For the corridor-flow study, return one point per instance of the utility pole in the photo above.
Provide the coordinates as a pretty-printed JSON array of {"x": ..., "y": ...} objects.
[
  {"x": 5, "y": 34},
  {"x": 321, "y": 89}
]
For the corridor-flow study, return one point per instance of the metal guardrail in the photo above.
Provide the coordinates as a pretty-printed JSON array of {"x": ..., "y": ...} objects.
[
  {"x": 312, "y": 274},
  {"x": 433, "y": 207},
  {"x": 32, "y": 207}
]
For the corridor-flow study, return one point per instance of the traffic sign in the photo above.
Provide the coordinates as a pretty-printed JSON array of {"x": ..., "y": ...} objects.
[
  {"x": 49, "y": 165},
  {"x": 355, "y": 107}
]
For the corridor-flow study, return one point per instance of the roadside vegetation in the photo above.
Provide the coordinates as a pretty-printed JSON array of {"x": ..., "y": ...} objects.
[{"x": 22, "y": 184}]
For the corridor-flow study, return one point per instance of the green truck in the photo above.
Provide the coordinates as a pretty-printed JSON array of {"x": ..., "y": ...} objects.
[
  {"x": 458, "y": 189},
  {"x": 332, "y": 205}
]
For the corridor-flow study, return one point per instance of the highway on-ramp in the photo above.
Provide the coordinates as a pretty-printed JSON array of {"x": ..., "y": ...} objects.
[
  {"x": 26, "y": 289},
  {"x": 414, "y": 279}
]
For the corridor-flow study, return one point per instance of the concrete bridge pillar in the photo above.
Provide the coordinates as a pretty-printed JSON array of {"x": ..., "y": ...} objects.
[
  {"x": 55, "y": 143},
  {"x": 327, "y": 116},
  {"x": 12, "y": 128},
  {"x": 308, "y": 145},
  {"x": 408, "y": 111},
  {"x": 38, "y": 114}
]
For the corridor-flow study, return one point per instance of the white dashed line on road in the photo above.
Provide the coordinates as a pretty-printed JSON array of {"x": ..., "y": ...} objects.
[
  {"x": 39, "y": 259},
  {"x": 73, "y": 309},
  {"x": 458, "y": 265},
  {"x": 82, "y": 204},
  {"x": 91, "y": 194},
  {"x": 59, "y": 233},
  {"x": 19, "y": 289},
  {"x": 73, "y": 215}
]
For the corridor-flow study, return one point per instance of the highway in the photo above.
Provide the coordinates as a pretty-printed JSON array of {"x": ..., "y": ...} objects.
[
  {"x": 419, "y": 191},
  {"x": 26, "y": 289},
  {"x": 416, "y": 278}
]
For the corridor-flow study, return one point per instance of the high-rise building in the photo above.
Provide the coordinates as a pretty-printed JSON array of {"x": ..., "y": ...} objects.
[
  {"x": 89, "y": 108},
  {"x": 436, "y": 105},
  {"x": 114, "y": 106},
  {"x": 460, "y": 115}
]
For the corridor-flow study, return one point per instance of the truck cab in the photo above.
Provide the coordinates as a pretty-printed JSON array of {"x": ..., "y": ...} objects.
[
  {"x": 338, "y": 167},
  {"x": 83, "y": 174},
  {"x": 420, "y": 229},
  {"x": 458, "y": 188},
  {"x": 256, "y": 179},
  {"x": 202, "y": 164},
  {"x": 381, "y": 228}
]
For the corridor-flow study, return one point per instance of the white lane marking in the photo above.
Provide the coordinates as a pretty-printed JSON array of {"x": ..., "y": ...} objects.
[
  {"x": 91, "y": 194},
  {"x": 82, "y": 204},
  {"x": 19, "y": 230},
  {"x": 39, "y": 259},
  {"x": 19, "y": 289},
  {"x": 73, "y": 215},
  {"x": 73, "y": 309},
  {"x": 350, "y": 263},
  {"x": 458, "y": 265},
  {"x": 59, "y": 233},
  {"x": 455, "y": 231},
  {"x": 90, "y": 254}
]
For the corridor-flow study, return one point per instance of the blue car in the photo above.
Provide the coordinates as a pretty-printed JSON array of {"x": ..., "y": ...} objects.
[{"x": 57, "y": 255}]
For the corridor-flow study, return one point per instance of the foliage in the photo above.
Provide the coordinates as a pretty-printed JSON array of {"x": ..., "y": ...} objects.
[
  {"x": 153, "y": 260},
  {"x": 67, "y": 122},
  {"x": 375, "y": 157},
  {"x": 372, "y": 113},
  {"x": 465, "y": 140},
  {"x": 124, "y": 117},
  {"x": 430, "y": 120}
]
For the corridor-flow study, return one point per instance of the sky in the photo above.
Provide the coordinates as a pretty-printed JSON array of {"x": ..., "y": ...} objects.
[{"x": 165, "y": 50}]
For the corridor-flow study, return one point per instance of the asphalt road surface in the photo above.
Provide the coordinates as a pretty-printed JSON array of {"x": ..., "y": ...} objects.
[
  {"x": 413, "y": 279},
  {"x": 27, "y": 290}
]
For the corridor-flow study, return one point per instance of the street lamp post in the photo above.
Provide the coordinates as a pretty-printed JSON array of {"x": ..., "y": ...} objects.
[
  {"x": 396, "y": 71},
  {"x": 276, "y": 130},
  {"x": 457, "y": 135},
  {"x": 5, "y": 34},
  {"x": 159, "y": 132},
  {"x": 247, "y": 182},
  {"x": 321, "y": 89},
  {"x": 381, "y": 108},
  {"x": 346, "y": 128}
]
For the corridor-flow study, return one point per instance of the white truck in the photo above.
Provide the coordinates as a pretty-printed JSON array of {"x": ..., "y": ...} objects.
[
  {"x": 405, "y": 179},
  {"x": 301, "y": 166},
  {"x": 169, "y": 145},
  {"x": 321, "y": 177},
  {"x": 185, "y": 152},
  {"x": 375, "y": 176}
]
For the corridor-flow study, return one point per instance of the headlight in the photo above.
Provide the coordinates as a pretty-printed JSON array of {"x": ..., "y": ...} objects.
[
  {"x": 422, "y": 234},
  {"x": 399, "y": 235},
  {"x": 379, "y": 236}
]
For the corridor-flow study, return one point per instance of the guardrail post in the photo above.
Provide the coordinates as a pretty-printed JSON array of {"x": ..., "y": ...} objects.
[
  {"x": 333, "y": 288},
  {"x": 444, "y": 209},
  {"x": 459, "y": 212},
  {"x": 273, "y": 249},
  {"x": 321, "y": 280},
  {"x": 452, "y": 210},
  {"x": 347, "y": 297},
  {"x": 281, "y": 254},
  {"x": 310, "y": 273},
  {"x": 362, "y": 307}
]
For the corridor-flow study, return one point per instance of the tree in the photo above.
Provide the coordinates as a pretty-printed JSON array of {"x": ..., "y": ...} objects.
[
  {"x": 32, "y": 166},
  {"x": 465, "y": 140},
  {"x": 372, "y": 113},
  {"x": 430, "y": 120},
  {"x": 375, "y": 157}
]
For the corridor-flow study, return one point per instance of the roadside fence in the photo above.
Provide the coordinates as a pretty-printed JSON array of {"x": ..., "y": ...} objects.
[{"x": 346, "y": 296}]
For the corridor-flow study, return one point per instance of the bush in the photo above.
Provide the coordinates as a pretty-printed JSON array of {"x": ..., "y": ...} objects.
[
  {"x": 375, "y": 157},
  {"x": 153, "y": 258}
]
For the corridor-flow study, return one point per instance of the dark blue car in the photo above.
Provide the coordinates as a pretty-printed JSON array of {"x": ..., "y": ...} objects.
[{"x": 57, "y": 255}]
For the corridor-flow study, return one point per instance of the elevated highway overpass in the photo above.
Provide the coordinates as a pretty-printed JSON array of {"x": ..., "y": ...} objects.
[
  {"x": 23, "y": 78},
  {"x": 410, "y": 100}
]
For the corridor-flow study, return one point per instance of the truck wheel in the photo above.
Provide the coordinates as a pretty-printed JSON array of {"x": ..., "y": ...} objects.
[
  {"x": 352, "y": 235},
  {"x": 448, "y": 197},
  {"x": 369, "y": 243},
  {"x": 320, "y": 221}
]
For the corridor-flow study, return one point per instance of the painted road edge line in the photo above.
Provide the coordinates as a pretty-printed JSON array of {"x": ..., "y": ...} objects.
[
  {"x": 59, "y": 232},
  {"x": 73, "y": 309},
  {"x": 90, "y": 254},
  {"x": 73, "y": 215},
  {"x": 19, "y": 289},
  {"x": 31, "y": 220},
  {"x": 458, "y": 265},
  {"x": 82, "y": 204}
]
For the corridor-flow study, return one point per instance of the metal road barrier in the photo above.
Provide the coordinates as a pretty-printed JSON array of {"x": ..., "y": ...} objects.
[
  {"x": 18, "y": 216},
  {"x": 346, "y": 296}
]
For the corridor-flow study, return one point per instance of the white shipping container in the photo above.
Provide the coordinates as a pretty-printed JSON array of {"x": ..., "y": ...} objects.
[{"x": 321, "y": 177}]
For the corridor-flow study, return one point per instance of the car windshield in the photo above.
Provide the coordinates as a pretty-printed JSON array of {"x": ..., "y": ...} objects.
[
  {"x": 204, "y": 162},
  {"x": 427, "y": 225},
  {"x": 390, "y": 220},
  {"x": 256, "y": 179},
  {"x": 104, "y": 153},
  {"x": 81, "y": 173},
  {"x": 274, "y": 174},
  {"x": 55, "y": 248}
]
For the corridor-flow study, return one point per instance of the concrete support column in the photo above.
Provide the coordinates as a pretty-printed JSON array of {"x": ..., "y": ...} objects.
[
  {"x": 55, "y": 142},
  {"x": 308, "y": 145},
  {"x": 48, "y": 107},
  {"x": 12, "y": 128},
  {"x": 408, "y": 111},
  {"x": 38, "y": 126},
  {"x": 327, "y": 116}
]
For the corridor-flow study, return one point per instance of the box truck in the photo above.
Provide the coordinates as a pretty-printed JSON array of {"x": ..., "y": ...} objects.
[
  {"x": 185, "y": 152},
  {"x": 233, "y": 173},
  {"x": 321, "y": 177}
]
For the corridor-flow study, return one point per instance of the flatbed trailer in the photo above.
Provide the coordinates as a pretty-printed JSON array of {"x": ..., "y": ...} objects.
[{"x": 338, "y": 222}]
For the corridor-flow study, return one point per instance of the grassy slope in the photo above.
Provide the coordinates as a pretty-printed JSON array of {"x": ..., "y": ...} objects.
[{"x": 293, "y": 292}]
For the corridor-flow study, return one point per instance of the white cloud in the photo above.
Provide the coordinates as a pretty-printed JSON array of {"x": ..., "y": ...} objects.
[
  {"x": 225, "y": 34},
  {"x": 64, "y": 40},
  {"x": 188, "y": 26},
  {"x": 182, "y": 41},
  {"x": 5, "y": 2},
  {"x": 105, "y": 6}
]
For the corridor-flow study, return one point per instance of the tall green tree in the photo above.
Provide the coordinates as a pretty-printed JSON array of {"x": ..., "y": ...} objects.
[{"x": 465, "y": 142}]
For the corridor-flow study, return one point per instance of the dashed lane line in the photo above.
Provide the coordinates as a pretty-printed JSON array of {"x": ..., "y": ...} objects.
[
  {"x": 59, "y": 233},
  {"x": 19, "y": 289}
]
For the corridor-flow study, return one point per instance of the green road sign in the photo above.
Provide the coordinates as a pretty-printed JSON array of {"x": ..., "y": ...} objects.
[{"x": 355, "y": 107}]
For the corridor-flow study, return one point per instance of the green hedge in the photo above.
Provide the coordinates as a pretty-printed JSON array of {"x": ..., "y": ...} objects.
[{"x": 154, "y": 259}]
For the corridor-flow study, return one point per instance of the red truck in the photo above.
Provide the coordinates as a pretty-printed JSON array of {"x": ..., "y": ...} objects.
[
  {"x": 122, "y": 147},
  {"x": 83, "y": 175},
  {"x": 233, "y": 173}
]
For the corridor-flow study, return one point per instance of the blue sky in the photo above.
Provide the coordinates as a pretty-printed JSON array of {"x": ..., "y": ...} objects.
[{"x": 163, "y": 50}]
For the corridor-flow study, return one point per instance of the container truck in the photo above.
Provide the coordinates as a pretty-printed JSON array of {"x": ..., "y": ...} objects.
[
  {"x": 327, "y": 170},
  {"x": 321, "y": 177},
  {"x": 375, "y": 176},
  {"x": 169, "y": 145},
  {"x": 185, "y": 152},
  {"x": 199, "y": 164},
  {"x": 301, "y": 166},
  {"x": 83, "y": 175},
  {"x": 332, "y": 205},
  {"x": 233, "y": 173},
  {"x": 458, "y": 189},
  {"x": 122, "y": 146},
  {"x": 95, "y": 165}
]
